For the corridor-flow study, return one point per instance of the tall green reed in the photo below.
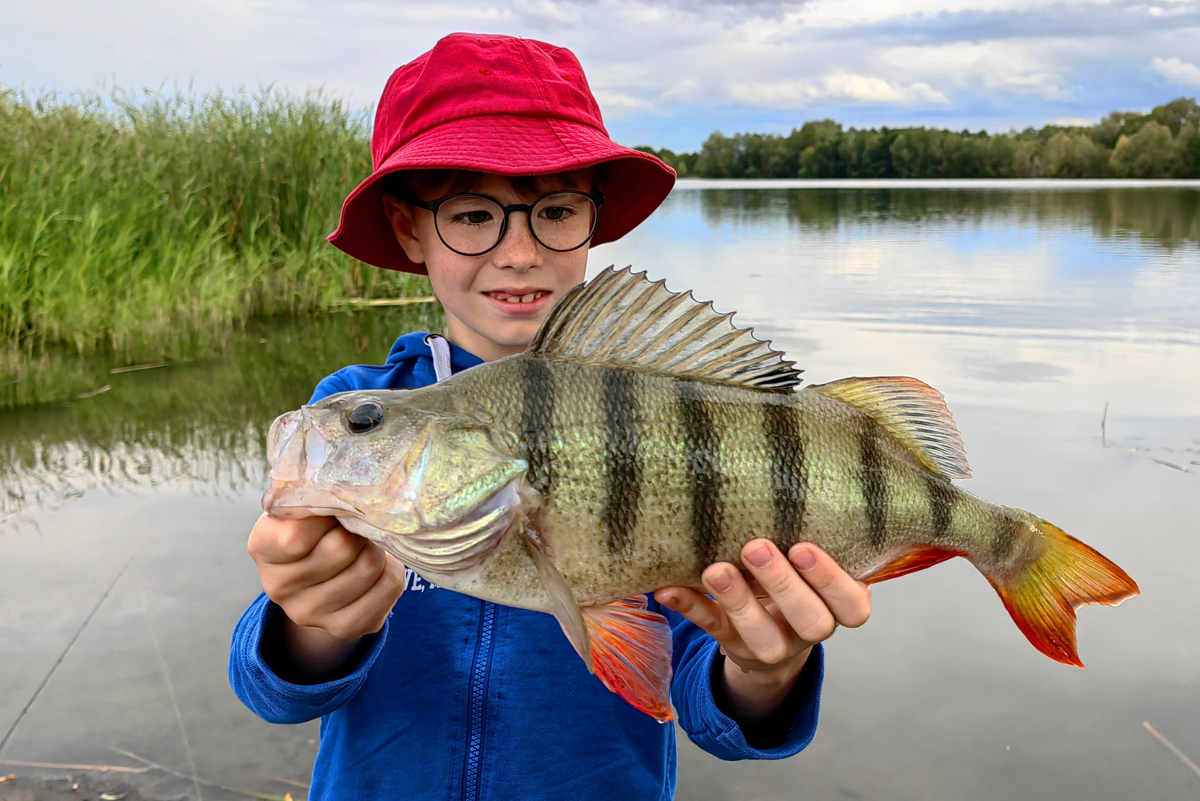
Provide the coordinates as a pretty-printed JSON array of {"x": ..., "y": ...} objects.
[{"x": 151, "y": 225}]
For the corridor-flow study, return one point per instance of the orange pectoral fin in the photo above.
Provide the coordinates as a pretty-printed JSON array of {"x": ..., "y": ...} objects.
[
  {"x": 918, "y": 558},
  {"x": 631, "y": 651}
]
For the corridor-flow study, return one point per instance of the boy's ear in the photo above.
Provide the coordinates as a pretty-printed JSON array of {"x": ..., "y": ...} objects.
[{"x": 404, "y": 227}]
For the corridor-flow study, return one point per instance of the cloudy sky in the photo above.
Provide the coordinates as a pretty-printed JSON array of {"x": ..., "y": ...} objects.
[{"x": 667, "y": 73}]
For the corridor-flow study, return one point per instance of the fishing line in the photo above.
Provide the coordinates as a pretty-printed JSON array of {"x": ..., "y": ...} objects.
[
  {"x": 63, "y": 655},
  {"x": 187, "y": 747}
]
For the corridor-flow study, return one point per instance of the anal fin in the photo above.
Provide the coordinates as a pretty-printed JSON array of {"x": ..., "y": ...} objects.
[
  {"x": 631, "y": 650},
  {"x": 566, "y": 608},
  {"x": 910, "y": 561}
]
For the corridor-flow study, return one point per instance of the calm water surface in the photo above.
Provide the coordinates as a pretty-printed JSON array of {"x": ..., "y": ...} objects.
[{"x": 1063, "y": 326}]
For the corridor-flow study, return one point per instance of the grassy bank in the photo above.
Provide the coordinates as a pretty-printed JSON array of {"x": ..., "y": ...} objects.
[{"x": 152, "y": 225}]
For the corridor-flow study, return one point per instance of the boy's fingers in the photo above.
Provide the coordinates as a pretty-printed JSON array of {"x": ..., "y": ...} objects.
[
  {"x": 759, "y": 632},
  {"x": 276, "y": 541},
  {"x": 347, "y": 586},
  {"x": 334, "y": 552},
  {"x": 847, "y": 599},
  {"x": 697, "y": 608},
  {"x": 368, "y": 614},
  {"x": 802, "y": 609}
]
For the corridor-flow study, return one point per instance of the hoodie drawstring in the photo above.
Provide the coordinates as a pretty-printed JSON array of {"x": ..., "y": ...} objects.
[{"x": 441, "y": 356}]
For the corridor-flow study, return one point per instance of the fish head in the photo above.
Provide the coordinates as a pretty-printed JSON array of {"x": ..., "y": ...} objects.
[{"x": 411, "y": 474}]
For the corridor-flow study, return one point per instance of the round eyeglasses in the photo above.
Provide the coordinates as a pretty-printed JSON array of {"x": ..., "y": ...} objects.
[{"x": 471, "y": 224}]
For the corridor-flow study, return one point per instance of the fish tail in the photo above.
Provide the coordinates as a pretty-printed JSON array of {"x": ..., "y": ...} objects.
[{"x": 1043, "y": 597}]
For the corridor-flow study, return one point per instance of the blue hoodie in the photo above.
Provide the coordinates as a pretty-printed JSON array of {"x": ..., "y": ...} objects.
[{"x": 457, "y": 698}]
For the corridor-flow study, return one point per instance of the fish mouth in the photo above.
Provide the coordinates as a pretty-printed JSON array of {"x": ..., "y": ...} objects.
[{"x": 291, "y": 500}]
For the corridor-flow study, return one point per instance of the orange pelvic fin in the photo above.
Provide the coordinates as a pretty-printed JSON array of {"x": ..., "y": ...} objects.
[
  {"x": 631, "y": 652},
  {"x": 1068, "y": 574},
  {"x": 910, "y": 561}
]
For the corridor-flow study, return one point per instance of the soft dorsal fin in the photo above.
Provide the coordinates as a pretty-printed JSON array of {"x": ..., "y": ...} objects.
[
  {"x": 914, "y": 412},
  {"x": 624, "y": 319}
]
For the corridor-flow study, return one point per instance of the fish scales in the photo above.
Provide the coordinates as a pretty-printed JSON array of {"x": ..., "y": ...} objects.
[
  {"x": 704, "y": 490},
  {"x": 642, "y": 438}
]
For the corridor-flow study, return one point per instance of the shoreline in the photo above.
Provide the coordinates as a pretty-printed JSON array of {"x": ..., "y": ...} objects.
[{"x": 1009, "y": 184}]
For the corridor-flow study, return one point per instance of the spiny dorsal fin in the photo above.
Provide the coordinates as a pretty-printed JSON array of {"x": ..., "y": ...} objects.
[
  {"x": 624, "y": 319},
  {"x": 914, "y": 412}
]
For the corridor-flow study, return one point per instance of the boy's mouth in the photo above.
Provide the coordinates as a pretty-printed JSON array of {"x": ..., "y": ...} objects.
[
  {"x": 517, "y": 297},
  {"x": 520, "y": 302}
]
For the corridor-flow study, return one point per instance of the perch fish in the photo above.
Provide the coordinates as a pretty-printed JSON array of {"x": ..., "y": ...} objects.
[{"x": 639, "y": 439}]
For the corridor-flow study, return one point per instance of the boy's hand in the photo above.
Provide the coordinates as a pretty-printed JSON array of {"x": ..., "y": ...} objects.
[
  {"x": 808, "y": 596},
  {"x": 335, "y": 587}
]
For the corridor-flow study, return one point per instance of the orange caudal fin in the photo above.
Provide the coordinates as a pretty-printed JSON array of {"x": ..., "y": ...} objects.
[
  {"x": 1042, "y": 600},
  {"x": 910, "y": 561},
  {"x": 631, "y": 652}
]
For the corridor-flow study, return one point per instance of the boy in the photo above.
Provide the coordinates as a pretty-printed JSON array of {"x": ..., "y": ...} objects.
[{"x": 438, "y": 695}]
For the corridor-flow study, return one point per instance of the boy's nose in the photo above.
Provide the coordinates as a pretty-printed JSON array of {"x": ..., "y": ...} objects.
[{"x": 518, "y": 249}]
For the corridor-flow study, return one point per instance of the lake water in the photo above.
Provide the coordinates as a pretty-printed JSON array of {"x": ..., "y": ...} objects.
[{"x": 1061, "y": 322}]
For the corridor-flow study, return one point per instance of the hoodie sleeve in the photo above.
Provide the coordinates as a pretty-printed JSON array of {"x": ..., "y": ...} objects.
[
  {"x": 696, "y": 656},
  {"x": 279, "y": 701}
]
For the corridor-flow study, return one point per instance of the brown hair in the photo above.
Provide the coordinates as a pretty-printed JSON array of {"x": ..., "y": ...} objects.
[{"x": 423, "y": 183}]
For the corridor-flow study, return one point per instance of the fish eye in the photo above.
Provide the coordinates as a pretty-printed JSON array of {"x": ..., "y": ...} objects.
[{"x": 364, "y": 417}]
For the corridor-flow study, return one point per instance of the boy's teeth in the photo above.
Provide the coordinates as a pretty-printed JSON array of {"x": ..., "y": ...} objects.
[{"x": 527, "y": 298}]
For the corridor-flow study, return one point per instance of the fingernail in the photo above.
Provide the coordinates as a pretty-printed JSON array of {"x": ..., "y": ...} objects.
[
  {"x": 722, "y": 581},
  {"x": 667, "y": 599},
  {"x": 804, "y": 559},
  {"x": 760, "y": 556}
]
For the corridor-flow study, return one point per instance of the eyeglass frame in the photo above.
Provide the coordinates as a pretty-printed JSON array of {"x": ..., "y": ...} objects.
[{"x": 432, "y": 206}]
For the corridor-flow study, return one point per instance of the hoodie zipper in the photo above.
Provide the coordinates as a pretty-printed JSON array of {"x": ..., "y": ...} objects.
[{"x": 480, "y": 671}]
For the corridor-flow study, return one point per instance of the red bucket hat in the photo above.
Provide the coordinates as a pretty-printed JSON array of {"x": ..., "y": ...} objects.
[{"x": 500, "y": 105}]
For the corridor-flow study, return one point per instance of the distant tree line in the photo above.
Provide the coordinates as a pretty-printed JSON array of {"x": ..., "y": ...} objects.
[{"x": 1162, "y": 144}]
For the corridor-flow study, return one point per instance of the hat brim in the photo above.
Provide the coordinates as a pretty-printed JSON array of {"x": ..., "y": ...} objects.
[{"x": 634, "y": 183}]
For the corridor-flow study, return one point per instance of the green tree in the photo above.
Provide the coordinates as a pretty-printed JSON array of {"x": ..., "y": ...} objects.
[
  {"x": 1149, "y": 153},
  {"x": 1067, "y": 155},
  {"x": 1178, "y": 113},
  {"x": 819, "y": 144},
  {"x": 1187, "y": 150}
]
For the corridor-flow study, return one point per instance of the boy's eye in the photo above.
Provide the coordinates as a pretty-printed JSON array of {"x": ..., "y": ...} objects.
[
  {"x": 478, "y": 217},
  {"x": 555, "y": 213}
]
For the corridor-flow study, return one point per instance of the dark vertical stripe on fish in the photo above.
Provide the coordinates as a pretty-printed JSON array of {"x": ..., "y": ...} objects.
[
  {"x": 941, "y": 505},
  {"x": 537, "y": 419},
  {"x": 1006, "y": 537},
  {"x": 622, "y": 470},
  {"x": 873, "y": 484},
  {"x": 702, "y": 461},
  {"x": 789, "y": 475}
]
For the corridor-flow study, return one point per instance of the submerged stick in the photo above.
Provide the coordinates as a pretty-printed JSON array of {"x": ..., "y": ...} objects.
[
  {"x": 162, "y": 662},
  {"x": 132, "y": 368},
  {"x": 68, "y": 766},
  {"x": 384, "y": 301},
  {"x": 1170, "y": 746},
  {"x": 1103, "y": 422}
]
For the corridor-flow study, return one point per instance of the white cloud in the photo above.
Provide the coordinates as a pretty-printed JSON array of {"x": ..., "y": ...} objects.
[
  {"x": 667, "y": 71},
  {"x": 1176, "y": 70},
  {"x": 1009, "y": 66},
  {"x": 837, "y": 86},
  {"x": 616, "y": 105}
]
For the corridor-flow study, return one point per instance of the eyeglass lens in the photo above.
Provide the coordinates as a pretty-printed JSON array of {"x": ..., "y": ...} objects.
[{"x": 472, "y": 224}]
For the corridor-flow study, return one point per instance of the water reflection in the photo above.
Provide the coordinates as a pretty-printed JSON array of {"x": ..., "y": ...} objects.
[
  {"x": 1168, "y": 217},
  {"x": 1068, "y": 299},
  {"x": 199, "y": 425},
  {"x": 1061, "y": 326}
]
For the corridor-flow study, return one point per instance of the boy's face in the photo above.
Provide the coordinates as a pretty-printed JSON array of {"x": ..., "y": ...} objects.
[{"x": 495, "y": 302}]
